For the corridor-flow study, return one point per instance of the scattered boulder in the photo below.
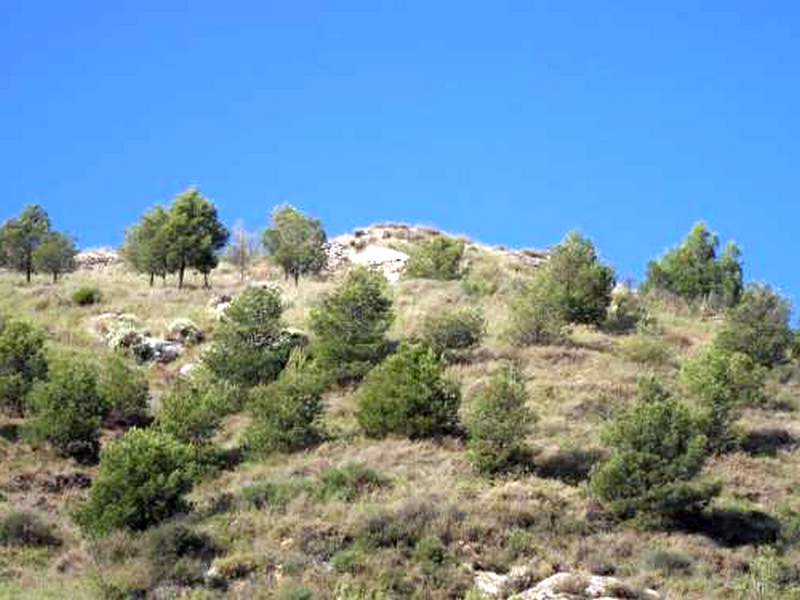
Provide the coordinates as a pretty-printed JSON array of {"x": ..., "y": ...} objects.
[
  {"x": 219, "y": 304},
  {"x": 185, "y": 331},
  {"x": 572, "y": 586},
  {"x": 97, "y": 259},
  {"x": 124, "y": 332}
]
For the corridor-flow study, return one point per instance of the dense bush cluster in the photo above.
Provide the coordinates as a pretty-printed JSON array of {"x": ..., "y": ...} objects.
[
  {"x": 296, "y": 242},
  {"x": 408, "y": 395},
  {"x": 694, "y": 271}
]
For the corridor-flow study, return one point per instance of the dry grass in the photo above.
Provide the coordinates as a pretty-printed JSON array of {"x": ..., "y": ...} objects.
[{"x": 532, "y": 518}]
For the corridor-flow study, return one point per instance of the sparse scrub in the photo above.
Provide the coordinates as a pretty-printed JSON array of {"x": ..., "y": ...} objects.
[
  {"x": 499, "y": 423},
  {"x": 626, "y": 312},
  {"x": 483, "y": 277},
  {"x": 437, "y": 258},
  {"x": 646, "y": 350},
  {"x": 143, "y": 479},
  {"x": 350, "y": 325},
  {"x": 453, "y": 331},
  {"x": 408, "y": 395},
  {"x": 349, "y": 482},
  {"x": 536, "y": 315},
  {"x": 26, "y": 529},
  {"x": 274, "y": 494}
]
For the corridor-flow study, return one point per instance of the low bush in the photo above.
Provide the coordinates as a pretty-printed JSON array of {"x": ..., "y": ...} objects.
[
  {"x": 26, "y": 529},
  {"x": 625, "y": 313},
  {"x": 22, "y": 362},
  {"x": 349, "y": 482},
  {"x": 571, "y": 465},
  {"x": 453, "y": 331},
  {"x": 87, "y": 296},
  {"x": 758, "y": 326},
  {"x": 350, "y": 325},
  {"x": 646, "y": 350},
  {"x": 125, "y": 389},
  {"x": 437, "y": 258},
  {"x": 143, "y": 479},
  {"x": 483, "y": 277},
  {"x": 723, "y": 383},
  {"x": 286, "y": 414},
  {"x": 179, "y": 555},
  {"x": 68, "y": 409},
  {"x": 499, "y": 423},
  {"x": 669, "y": 562},
  {"x": 274, "y": 494},
  {"x": 408, "y": 395}
]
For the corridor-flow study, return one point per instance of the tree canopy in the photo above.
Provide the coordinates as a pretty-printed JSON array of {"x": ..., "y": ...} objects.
[
  {"x": 21, "y": 237},
  {"x": 695, "y": 271},
  {"x": 296, "y": 242}
]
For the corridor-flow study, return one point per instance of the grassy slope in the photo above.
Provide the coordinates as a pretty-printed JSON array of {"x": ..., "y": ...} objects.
[{"x": 528, "y": 519}]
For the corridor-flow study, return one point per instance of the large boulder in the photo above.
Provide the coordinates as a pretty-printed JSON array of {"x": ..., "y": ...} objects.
[{"x": 571, "y": 586}]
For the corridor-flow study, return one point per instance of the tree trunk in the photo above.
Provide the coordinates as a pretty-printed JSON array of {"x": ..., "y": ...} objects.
[
  {"x": 28, "y": 274},
  {"x": 152, "y": 279},
  {"x": 55, "y": 277},
  {"x": 180, "y": 276},
  {"x": 205, "y": 281},
  {"x": 296, "y": 279}
]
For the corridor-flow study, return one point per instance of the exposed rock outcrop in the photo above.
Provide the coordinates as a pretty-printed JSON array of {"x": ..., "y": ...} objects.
[
  {"x": 97, "y": 258},
  {"x": 561, "y": 586}
]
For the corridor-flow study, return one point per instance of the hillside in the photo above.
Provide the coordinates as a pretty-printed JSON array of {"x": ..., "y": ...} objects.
[{"x": 356, "y": 517}]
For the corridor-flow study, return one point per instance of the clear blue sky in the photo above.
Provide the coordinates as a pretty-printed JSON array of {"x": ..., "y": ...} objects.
[{"x": 512, "y": 122}]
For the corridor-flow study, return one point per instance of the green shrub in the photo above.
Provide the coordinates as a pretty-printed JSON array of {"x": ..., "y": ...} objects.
[
  {"x": 192, "y": 410},
  {"x": 758, "y": 326},
  {"x": 22, "y": 362},
  {"x": 429, "y": 552},
  {"x": 408, "y": 395},
  {"x": 286, "y": 414},
  {"x": 68, "y": 409},
  {"x": 456, "y": 330},
  {"x": 573, "y": 286},
  {"x": 536, "y": 315},
  {"x": 349, "y": 482},
  {"x": 350, "y": 325},
  {"x": 86, "y": 296},
  {"x": 723, "y": 383},
  {"x": 26, "y": 529},
  {"x": 694, "y": 272},
  {"x": 251, "y": 346},
  {"x": 656, "y": 452},
  {"x": 125, "y": 389},
  {"x": 142, "y": 480},
  {"x": 796, "y": 345},
  {"x": 500, "y": 421},
  {"x": 581, "y": 284},
  {"x": 438, "y": 258}
]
